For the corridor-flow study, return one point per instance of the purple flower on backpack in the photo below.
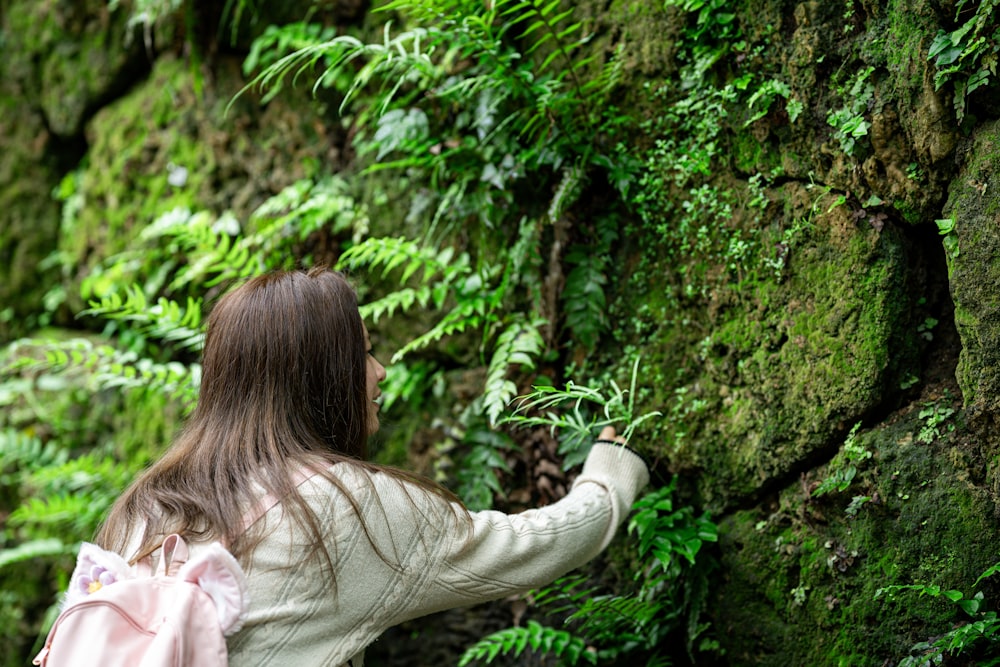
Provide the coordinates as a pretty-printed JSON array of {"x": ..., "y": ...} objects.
[
  {"x": 95, "y": 569},
  {"x": 98, "y": 578}
]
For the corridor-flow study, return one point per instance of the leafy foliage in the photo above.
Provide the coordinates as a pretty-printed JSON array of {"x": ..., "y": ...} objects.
[
  {"x": 578, "y": 426},
  {"x": 83, "y": 415},
  {"x": 844, "y": 466},
  {"x": 672, "y": 586},
  {"x": 848, "y": 121},
  {"x": 560, "y": 643},
  {"x": 967, "y": 55},
  {"x": 982, "y": 630}
]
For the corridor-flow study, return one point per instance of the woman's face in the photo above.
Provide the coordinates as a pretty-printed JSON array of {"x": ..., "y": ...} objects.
[{"x": 375, "y": 373}]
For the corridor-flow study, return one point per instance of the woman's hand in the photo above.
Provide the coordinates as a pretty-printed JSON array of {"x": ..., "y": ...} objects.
[{"x": 608, "y": 434}]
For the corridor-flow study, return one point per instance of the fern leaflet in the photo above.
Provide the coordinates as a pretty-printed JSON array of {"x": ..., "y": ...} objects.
[
  {"x": 519, "y": 343},
  {"x": 570, "y": 648}
]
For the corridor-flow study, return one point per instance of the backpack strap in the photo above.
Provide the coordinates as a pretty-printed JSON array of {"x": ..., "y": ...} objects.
[
  {"x": 269, "y": 500},
  {"x": 174, "y": 553}
]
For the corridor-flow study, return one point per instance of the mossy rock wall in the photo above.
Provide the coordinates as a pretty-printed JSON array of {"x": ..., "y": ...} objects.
[
  {"x": 60, "y": 61},
  {"x": 174, "y": 143},
  {"x": 974, "y": 268},
  {"x": 866, "y": 314}
]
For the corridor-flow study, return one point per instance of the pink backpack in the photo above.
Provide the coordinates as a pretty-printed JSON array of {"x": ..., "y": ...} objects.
[{"x": 116, "y": 614}]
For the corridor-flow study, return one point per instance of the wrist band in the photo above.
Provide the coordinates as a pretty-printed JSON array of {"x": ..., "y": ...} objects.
[{"x": 605, "y": 441}]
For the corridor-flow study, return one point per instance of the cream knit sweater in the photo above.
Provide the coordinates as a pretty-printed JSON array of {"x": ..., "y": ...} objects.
[{"x": 437, "y": 558}]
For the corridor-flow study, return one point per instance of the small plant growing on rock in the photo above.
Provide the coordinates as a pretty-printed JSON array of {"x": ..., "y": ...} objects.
[
  {"x": 844, "y": 465},
  {"x": 984, "y": 628}
]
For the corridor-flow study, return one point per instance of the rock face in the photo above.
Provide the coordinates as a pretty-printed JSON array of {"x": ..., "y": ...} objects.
[
  {"x": 973, "y": 269},
  {"x": 58, "y": 66},
  {"x": 801, "y": 289}
]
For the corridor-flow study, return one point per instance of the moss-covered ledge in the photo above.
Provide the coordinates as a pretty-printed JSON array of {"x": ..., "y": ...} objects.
[{"x": 802, "y": 572}]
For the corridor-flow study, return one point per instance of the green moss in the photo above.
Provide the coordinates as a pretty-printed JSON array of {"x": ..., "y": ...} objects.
[
  {"x": 920, "y": 528},
  {"x": 815, "y": 351},
  {"x": 170, "y": 144},
  {"x": 974, "y": 271},
  {"x": 750, "y": 155}
]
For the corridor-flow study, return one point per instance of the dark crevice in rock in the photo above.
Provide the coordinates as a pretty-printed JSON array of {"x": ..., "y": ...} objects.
[{"x": 66, "y": 152}]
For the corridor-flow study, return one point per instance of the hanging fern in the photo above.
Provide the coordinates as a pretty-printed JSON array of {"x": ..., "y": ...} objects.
[
  {"x": 104, "y": 367},
  {"x": 482, "y": 460},
  {"x": 442, "y": 279},
  {"x": 166, "y": 319},
  {"x": 572, "y": 650},
  {"x": 21, "y": 453},
  {"x": 437, "y": 270},
  {"x": 520, "y": 343}
]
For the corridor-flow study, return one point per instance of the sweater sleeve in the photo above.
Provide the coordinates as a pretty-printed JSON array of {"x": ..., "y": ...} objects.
[{"x": 487, "y": 555}]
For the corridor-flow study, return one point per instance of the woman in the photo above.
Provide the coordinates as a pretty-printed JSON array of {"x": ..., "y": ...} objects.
[{"x": 289, "y": 392}]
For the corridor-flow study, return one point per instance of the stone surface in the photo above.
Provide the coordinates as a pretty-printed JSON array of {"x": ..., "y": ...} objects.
[{"x": 974, "y": 268}]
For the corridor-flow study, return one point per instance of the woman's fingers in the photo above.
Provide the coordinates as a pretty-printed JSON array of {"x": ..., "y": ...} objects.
[{"x": 609, "y": 433}]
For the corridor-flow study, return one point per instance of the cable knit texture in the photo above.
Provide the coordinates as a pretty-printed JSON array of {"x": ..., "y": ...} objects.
[{"x": 435, "y": 558}]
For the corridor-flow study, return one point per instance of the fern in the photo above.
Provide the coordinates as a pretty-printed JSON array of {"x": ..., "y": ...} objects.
[
  {"x": 618, "y": 619},
  {"x": 104, "y": 367},
  {"x": 483, "y": 459},
  {"x": 634, "y": 624},
  {"x": 33, "y": 550},
  {"x": 583, "y": 296},
  {"x": 213, "y": 253},
  {"x": 564, "y": 594},
  {"x": 166, "y": 320},
  {"x": 442, "y": 278},
  {"x": 519, "y": 343},
  {"x": 61, "y": 515},
  {"x": 578, "y": 425},
  {"x": 571, "y": 649},
  {"x": 390, "y": 253},
  {"x": 395, "y": 60},
  {"x": 278, "y": 40},
  {"x": 21, "y": 452},
  {"x": 302, "y": 209}
]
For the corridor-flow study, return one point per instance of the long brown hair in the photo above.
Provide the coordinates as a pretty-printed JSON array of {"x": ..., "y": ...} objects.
[{"x": 283, "y": 386}]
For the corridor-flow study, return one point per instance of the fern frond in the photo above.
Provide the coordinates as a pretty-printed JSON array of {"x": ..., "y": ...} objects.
[
  {"x": 209, "y": 246},
  {"x": 402, "y": 299},
  {"x": 583, "y": 296},
  {"x": 103, "y": 367},
  {"x": 482, "y": 460},
  {"x": 570, "y": 648},
  {"x": 614, "y": 615},
  {"x": 74, "y": 514},
  {"x": 166, "y": 320},
  {"x": 567, "y": 192},
  {"x": 21, "y": 452},
  {"x": 399, "y": 59},
  {"x": 34, "y": 550},
  {"x": 393, "y": 252},
  {"x": 469, "y": 313},
  {"x": 564, "y": 594},
  {"x": 91, "y": 472},
  {"x": 303, "y": 208},
  {"x": 601, "y": 87},
  {"x": 520, "y": 343}
]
